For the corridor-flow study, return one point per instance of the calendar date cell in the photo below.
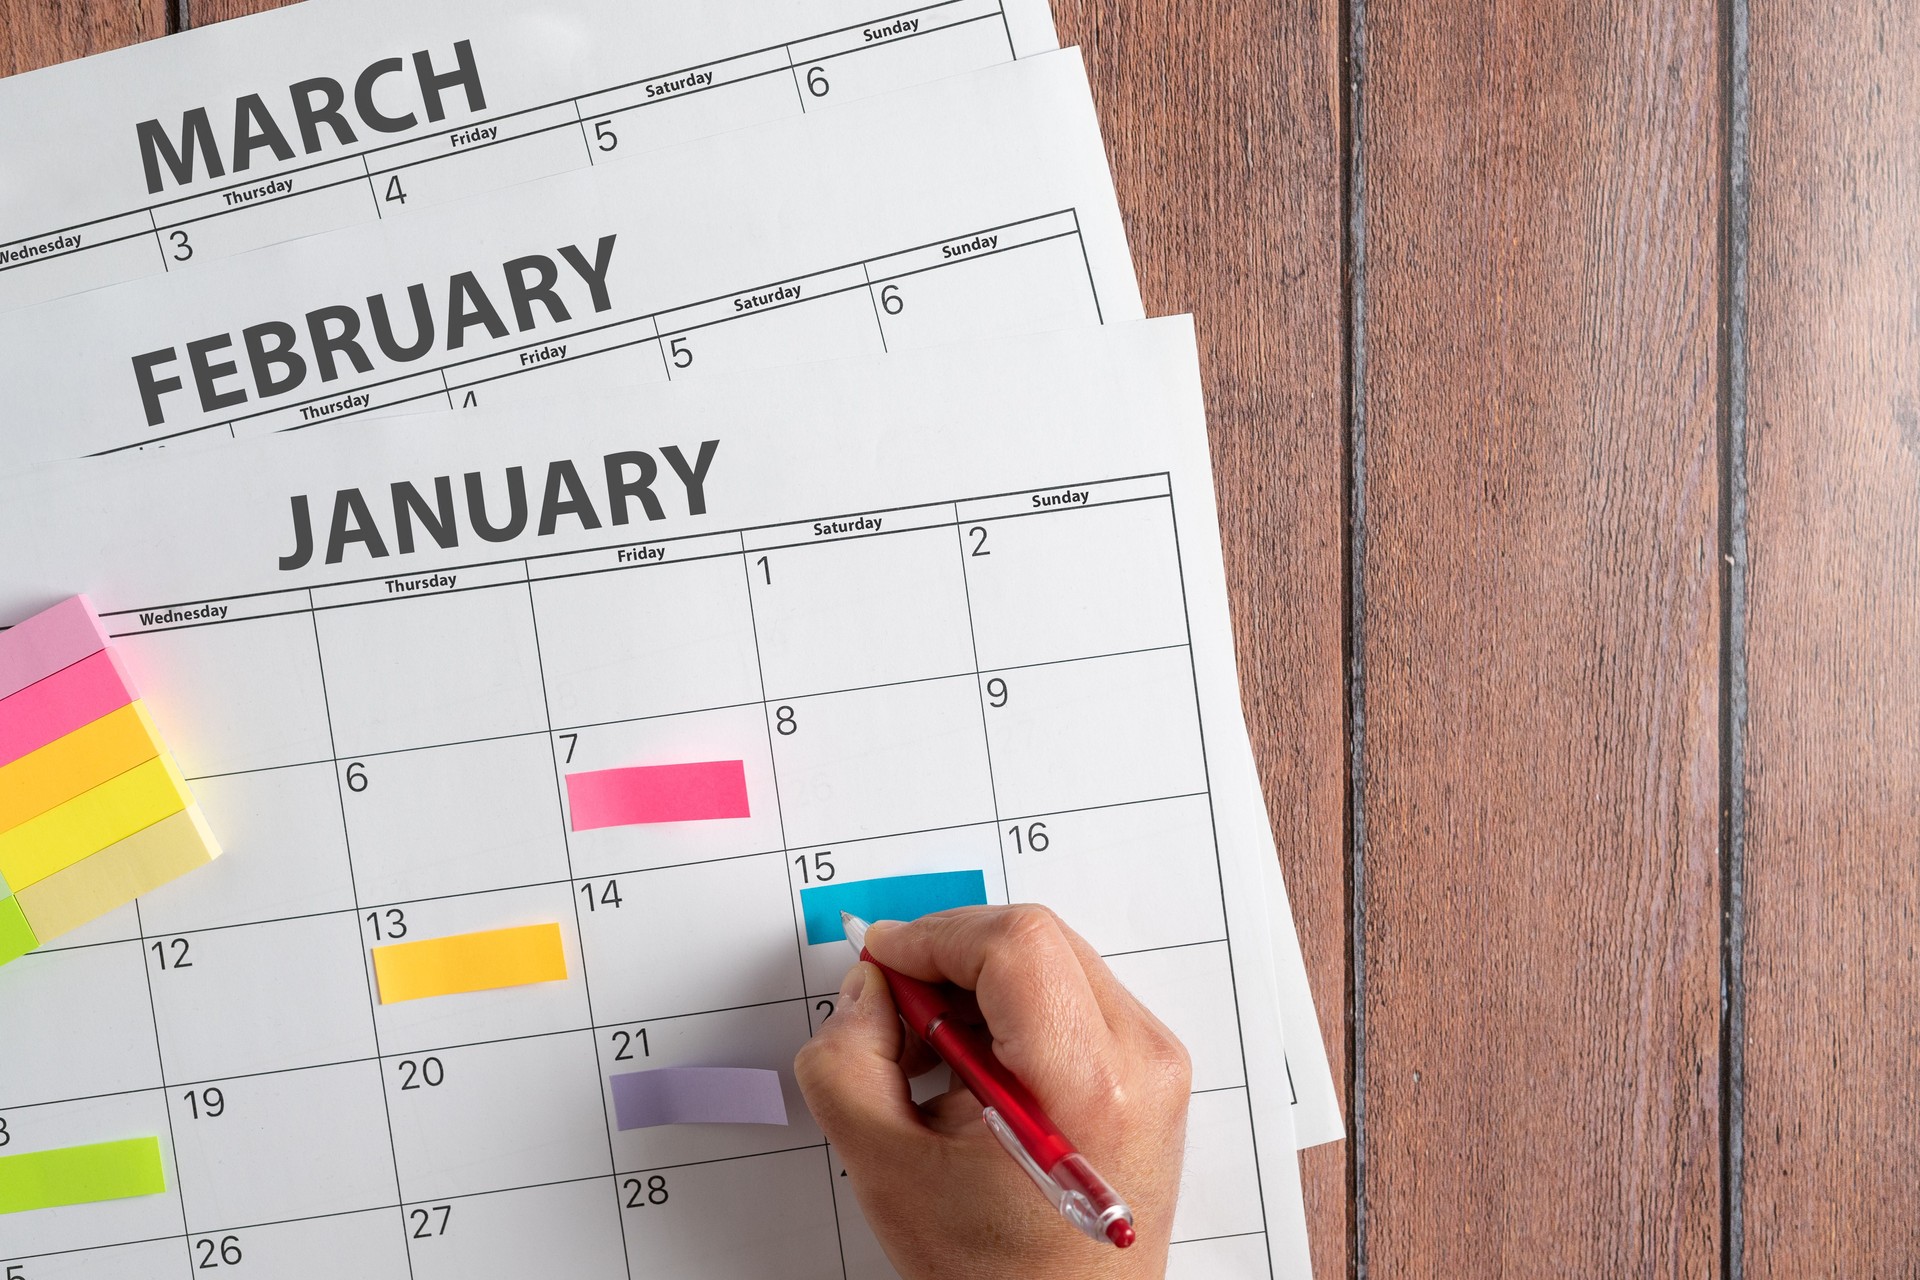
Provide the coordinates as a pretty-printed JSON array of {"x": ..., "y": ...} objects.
[
  {"x": 409, "y": 670},
  {"x": 490, "y": 1117},
  {"x": 572, "y": 1230},
  {"x": 736, "y": 733},
  {"x": 113, "y": 1118},
  {"x": 1090, "y": 864},
  {"x": 692, "y": 939},
  {"x": 366, "y": 1246},
  {"x": 284, "y": 853},
  {"x": 869, "y": 609},
  {"x": 689, "y": 1221},
  {"x": 49, "y": 1052},
  {"x": 1220, "y": 1181},
  {"x": 451, "y": 820},
  {"x": 1191, "y": 990},
  {"x": 765, "y": 1036},
  {"x": 221, "y": 1006},
  {"x": 322, "y": 1131},
  {"x": 1073, "y": 735},
  {"x": 539, "y": 1009},
  {"x": 654, "y": 638},
  {"x": 885, "y": 761},
  {"x": 233, "y": 695},
  {"x": 1076, "y": 579}
]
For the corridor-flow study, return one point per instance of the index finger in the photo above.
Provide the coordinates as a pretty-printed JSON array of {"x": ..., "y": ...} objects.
[{"x": 1036, "y": 996}]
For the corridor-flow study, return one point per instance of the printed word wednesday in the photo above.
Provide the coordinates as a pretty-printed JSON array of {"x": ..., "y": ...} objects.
[{"x": 333, "y": 333}]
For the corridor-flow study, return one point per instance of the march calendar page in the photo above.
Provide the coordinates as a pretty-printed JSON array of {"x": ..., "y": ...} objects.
[
  {"x": 975, "y": 206},
  {"x": 334, "y": 113},
  {"x": 956, "y": 616}
]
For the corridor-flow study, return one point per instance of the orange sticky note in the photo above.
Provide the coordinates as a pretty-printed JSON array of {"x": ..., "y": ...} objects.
[
  {"x": 465, "y": 962},
  {"x": 79, "y": 762}
]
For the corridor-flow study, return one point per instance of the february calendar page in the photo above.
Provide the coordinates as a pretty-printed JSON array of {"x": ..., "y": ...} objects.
[
  {"x": 334, "y": 113},
  {"x": 957, "y": 622}
]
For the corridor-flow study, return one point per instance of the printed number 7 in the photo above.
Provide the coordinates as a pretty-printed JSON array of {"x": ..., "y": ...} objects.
[{"x": 572, "y": 740}]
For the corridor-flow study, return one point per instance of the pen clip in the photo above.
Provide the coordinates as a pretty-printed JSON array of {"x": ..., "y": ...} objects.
[{"x": 1074, "y": 1206}]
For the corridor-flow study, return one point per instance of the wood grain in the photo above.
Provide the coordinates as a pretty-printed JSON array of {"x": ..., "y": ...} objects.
[
  {"x": 39, "y": 33},
  {"x": 202, "y": 13},
  {"x": 1540, "y": 640},
  {"x": 1832, "y": 1179},
  {"x": 1220, "y": 125}
]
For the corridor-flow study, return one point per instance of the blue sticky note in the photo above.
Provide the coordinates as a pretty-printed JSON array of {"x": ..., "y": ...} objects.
[{"x": 887, "y": 898}]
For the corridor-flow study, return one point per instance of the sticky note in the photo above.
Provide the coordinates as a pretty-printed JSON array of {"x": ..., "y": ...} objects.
[
  {"x": 81, "y": 1175},
  {"x": 470, "y": 962},
  {"x": 91, "y": 821},
  {"x": 658, "y": 793},
  {"x": 48, "y": 641},
  {"x": 16, "y": 935},
  {"x": 887, "y": 898},
  {"x": 698, "y": 1095},
  {"x": 118, "y": 874},
  {"x": 70, "y": 698},
  {"x": 76, "y": 763}
]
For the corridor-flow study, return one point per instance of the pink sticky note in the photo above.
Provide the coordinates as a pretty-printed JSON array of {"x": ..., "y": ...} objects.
[
  {"x": 658, "y": 793},
  {"x": 48, "y": 641},
  {"x": 69, "y": 699}
]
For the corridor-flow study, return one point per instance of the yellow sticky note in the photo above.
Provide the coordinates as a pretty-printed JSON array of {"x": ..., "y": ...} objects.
[
  {"x": 16, "y": 935},
  {"x": 118, "y": 874},
  {"x": 79, "y": 762},
  {"x": 91, "y": 821},
  {"x": 470, "y": 962}
]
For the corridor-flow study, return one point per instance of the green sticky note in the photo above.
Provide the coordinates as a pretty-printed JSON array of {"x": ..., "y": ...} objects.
[
  {"x": 16, "y": 935},
  {"x": 81, "y": 1175}
]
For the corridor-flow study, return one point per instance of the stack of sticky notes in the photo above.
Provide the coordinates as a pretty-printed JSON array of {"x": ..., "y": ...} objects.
[{"x": 93, "y": 811}]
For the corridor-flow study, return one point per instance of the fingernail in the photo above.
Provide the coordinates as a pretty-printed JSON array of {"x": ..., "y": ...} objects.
[{"x": 853, "y": 985}]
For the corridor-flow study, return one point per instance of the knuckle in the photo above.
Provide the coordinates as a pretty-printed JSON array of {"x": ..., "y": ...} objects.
[{"x": 1028, "y": 922}]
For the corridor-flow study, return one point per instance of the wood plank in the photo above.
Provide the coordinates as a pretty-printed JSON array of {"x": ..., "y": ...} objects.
[
  {"x": 34, "y": 33},
  {"x": 1832, "y": 1176},
  {"x": 1220, "y": 125},
  {"x": 202, "y": 13},
  {"x": 1540, "y": 635}
]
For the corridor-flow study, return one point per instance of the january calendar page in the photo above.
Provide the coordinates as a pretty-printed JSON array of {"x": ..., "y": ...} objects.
[
  {"x": 950, "y": 625},
  {"x": 976, "y": 206},
  {"x": 334, "y": 113}
]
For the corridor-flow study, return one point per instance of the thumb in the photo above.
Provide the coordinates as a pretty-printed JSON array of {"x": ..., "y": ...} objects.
[{"x": 850, "y": 1071}]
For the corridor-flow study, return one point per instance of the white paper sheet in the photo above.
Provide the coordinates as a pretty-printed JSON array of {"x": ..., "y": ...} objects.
[
  {"x": 931, "y": 601},
  {"x": 429, "y": 100},
  {"x": 839, "y": 234}
]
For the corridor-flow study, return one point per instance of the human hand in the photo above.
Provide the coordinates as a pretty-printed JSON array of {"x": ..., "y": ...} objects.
[{"x": 944, "y": 1198}]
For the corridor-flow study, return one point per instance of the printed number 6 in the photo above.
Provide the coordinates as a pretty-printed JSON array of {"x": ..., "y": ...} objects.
[
  {"x": 356, "y": 776},
  {"x": 817, "y": 82}
]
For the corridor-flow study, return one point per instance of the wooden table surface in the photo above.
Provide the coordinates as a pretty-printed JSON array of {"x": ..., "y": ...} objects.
[{"x": 1564, "y": 365}]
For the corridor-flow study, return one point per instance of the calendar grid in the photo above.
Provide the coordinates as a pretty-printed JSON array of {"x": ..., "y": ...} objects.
[
  {"x": 367, "y": 154},
  {"x": 949, "y": 515},
  {"x": 313, "y": 410},
  {"x": 573, "y": 881},
  {"x": 366, "y": 959}
]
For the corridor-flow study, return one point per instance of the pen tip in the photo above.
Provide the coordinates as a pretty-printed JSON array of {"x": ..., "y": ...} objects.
[
  {"x": 856, "y": 929},
  {"x": 1121, "y": 1233}
]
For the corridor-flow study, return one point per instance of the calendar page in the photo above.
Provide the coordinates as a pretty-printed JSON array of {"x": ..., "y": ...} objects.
[
  {"x": 333, "y": 113},
  {"x": 956, "y": 615},
  {"x": 975, "y": 206}
]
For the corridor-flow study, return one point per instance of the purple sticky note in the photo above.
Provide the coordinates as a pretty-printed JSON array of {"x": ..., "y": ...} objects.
[{"x": 698, "y": 1095}]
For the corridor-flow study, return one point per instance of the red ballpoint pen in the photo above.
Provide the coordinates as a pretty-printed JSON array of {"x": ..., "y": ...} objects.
[{"x": 1035, "y": 1142}]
